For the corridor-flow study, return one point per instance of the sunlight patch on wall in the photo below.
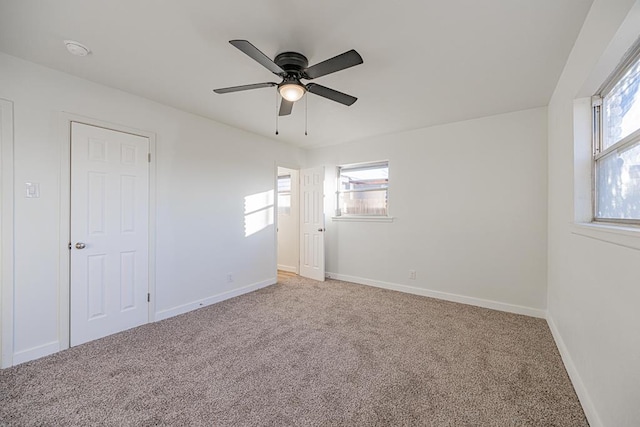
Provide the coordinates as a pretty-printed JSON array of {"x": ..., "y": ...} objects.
[{"x": 258, "y": 212}]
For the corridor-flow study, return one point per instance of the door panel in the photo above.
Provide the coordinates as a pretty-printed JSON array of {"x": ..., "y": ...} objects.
[
  {"x": 96, "y": 278},
  {"x": 109, "y": 216},
  {"x": 312, "y": 223}
]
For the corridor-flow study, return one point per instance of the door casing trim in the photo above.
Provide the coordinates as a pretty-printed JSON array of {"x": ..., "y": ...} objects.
[
  {"x": 7, "y": 229},
  {"x": 279, "y": 164}
]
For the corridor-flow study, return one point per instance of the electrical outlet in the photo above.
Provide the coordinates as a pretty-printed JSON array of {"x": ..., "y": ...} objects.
[
  {"x": 229, "y": 277},
  {"x": 412, "y": 274}
]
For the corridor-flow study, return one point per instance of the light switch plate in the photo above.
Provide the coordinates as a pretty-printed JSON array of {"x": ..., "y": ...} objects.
[{"x": 32, "y": 190}]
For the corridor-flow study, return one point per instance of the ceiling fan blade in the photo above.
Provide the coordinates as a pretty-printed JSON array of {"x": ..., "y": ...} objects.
[
  {"x": 337, "y": 63},
  {"x": 244, "y": 87},
  {"x": 257, "y": 55},
  {"x": 285, "y": 107},
  {"x": 331, "y": 94}
]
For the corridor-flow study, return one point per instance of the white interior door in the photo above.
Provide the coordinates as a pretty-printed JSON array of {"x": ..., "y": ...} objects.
[
  {"x": 109, "y": 232},
  {"x": 312, "y": 223}
]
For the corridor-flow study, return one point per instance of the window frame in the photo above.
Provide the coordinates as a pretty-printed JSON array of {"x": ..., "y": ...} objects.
[
  {"x": 630, "y": 141},
  {"x": 339, "y": 215}
]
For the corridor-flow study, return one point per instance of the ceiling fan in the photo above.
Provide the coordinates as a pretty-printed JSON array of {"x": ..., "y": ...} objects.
[{"x": 293, "y": 67}]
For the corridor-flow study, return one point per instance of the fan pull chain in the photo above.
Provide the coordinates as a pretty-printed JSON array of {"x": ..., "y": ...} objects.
[
  {"x": 305, "y": 115},
  {"x": 276, "y": 112}
]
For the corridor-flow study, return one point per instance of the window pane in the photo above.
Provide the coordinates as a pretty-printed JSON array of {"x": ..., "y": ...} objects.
[
  {"x": 284, "y": 195},
  {"x": 618, "y": 185},
  {"x": 366, "y": 175},
  {"x": 622, "y": 107},
  {"x": 364, "y": 178},
  {"x": 365, "y": 203},
  {"x": 284, "y": 183},
  {"x": 362, "y": 189}
]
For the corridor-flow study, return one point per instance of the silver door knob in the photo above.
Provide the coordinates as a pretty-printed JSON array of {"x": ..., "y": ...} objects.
[{"x": 80, "y": 245}]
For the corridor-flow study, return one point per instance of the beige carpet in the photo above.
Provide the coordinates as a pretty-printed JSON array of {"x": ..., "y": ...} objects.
[{"x": 305, "y": 353}]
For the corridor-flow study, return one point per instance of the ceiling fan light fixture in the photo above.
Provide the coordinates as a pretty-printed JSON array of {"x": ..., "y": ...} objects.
[{"x": 292, "y": 92}]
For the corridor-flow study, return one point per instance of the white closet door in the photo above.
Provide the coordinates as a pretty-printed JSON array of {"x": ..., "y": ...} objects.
[{"x": 109, "y": 232}]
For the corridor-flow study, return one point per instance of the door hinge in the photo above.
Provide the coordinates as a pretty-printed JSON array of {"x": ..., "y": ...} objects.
[
  {"x": 69, "y": 245},
  {"x": 148, "y": 297},
  {"x": 149, "y": 157}
]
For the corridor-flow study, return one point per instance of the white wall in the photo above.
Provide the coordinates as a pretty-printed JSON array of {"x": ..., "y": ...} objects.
[
  {"x": 594, "y": 285},
  {"x": 469, "y": 202},
  {"x": 289, "y": 227},
  {"x": 204, "y": 171}
]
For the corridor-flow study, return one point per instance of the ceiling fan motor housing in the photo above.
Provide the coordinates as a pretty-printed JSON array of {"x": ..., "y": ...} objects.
[{"x": 293, "y": 63}]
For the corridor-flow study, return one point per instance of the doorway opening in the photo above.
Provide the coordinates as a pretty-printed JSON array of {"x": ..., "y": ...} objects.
[
  {"x": 288, "y": 228},
  {"x": 300, "y": 222}
]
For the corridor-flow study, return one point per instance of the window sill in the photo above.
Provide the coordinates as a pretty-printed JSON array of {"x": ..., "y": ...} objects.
[
  {"x": 362, "y": 218},
  {"x": 621, "y": 235}
]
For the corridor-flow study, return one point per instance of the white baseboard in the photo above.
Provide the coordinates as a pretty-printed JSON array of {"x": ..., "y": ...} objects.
[
  {"x": 479, "y": 302},
  {"x": 287, "y": 268},
  {"x": 181, "y": 309},
  {"x": 576, "y": 380},
  {"x": 36, "y": 352}
]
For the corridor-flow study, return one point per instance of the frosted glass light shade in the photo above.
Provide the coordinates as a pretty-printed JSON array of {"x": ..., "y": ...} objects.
[{"x": 291, "y": 91}]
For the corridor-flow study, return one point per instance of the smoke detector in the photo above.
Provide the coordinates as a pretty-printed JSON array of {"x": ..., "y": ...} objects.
[{"x": 76, "y": 48}]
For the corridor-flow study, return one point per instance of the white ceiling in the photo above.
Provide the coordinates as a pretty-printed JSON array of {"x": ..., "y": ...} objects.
[{"x": 426, "y": 62}]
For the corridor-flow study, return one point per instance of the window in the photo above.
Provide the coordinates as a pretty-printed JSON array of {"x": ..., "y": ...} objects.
[
  {"x": 616, "y": 136},
  {"x": 362, "y": 189},
  {"x": 284, "y": 195}
]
